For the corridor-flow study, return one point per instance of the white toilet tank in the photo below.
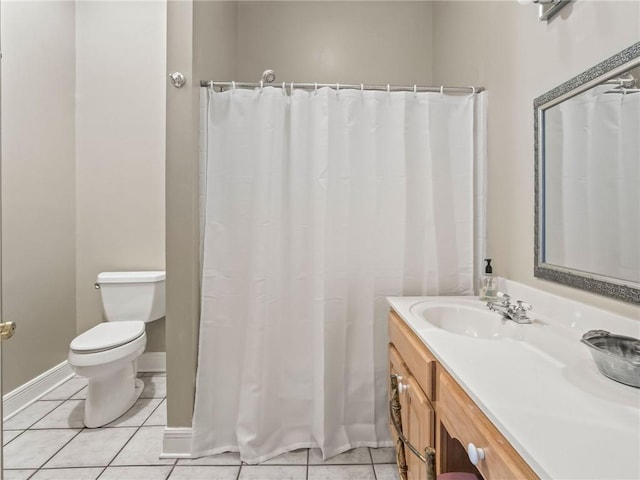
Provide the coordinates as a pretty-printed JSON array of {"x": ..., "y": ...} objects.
[{"x": 130, "y": 296}]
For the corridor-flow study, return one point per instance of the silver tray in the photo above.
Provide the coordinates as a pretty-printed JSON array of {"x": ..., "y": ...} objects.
[{"x": 616, "y": 356}]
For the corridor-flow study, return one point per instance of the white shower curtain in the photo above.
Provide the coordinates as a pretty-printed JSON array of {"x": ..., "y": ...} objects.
[{"x": 318, "y": 205}]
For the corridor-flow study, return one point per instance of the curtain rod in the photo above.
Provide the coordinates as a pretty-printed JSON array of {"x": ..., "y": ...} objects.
[{"x": 338, "y": 86}]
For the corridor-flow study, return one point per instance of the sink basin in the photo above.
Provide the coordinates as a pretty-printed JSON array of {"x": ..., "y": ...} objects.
[{"x": 468, "y": 318}]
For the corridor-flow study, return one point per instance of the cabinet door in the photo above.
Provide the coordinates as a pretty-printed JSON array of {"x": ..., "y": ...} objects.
[
  {"x": 397, "y": 369},
  {"x": 419, "y": 427}
]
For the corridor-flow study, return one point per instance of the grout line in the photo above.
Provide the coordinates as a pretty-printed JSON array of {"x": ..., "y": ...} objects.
[
  {"x": 58, "y": 451},
  {"x": 308, "y": 455},
  {"x": 173, "y": 467},
  {"x": 175, "y": 461},
  {"x": 20, "y": 434},
  {"x": 123, "y": 447},
  {"x": 239, "y": 470},
  {"x": 100, "y": 474},
  {"x": 40, "y": 418},
  {"x": 152, "y": 412},
  {"x": 373, "y": 467}
]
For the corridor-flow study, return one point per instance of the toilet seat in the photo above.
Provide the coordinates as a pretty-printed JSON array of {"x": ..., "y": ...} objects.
[
  {"x": 108, "y": 342},
  {"x": 105, "y": 336}
]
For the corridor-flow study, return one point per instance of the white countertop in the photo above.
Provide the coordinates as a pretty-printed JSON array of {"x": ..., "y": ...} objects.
[{"x": 542, "y": 390}]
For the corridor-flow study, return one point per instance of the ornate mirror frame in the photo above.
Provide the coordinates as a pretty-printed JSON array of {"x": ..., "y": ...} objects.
[{"x": 591, "y": 282}]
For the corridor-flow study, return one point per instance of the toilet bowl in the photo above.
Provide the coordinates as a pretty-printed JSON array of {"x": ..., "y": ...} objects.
[{"x": 107, "y": 354}]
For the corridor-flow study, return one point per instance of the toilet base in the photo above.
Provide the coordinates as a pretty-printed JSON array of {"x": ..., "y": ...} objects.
[{"x": 112, "y": 395}]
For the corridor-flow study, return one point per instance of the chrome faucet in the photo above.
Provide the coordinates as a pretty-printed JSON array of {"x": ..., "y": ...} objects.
[{"x": 517, "y": 312}]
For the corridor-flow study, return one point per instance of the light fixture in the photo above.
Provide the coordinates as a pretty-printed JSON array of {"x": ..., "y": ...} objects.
[{"x": 547, "y": 8}]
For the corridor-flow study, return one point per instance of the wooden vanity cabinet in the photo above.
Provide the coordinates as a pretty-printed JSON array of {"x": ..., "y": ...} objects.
[
  {"x": 462, "y": 419},
  {"x": 417, "y": 412},
  {"x": 436, "y": 411}
]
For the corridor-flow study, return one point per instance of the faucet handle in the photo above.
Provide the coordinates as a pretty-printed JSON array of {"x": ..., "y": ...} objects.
[
  {"x": 504, "y": 297},
  {"x": 523, "y": 306}
]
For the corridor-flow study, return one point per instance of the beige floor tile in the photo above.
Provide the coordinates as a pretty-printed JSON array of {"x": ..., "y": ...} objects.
[
  {"x": 386, "y": 472},
  {"x": 182, "y": 472},
  {"x": 154, "y": 387},
  {"x": 383, "y": 455},
  {"x": 34, "y": 447},
  {"x": 80, "y": 395},
  {"x": 158, "y": 472},
  {"x": 67, "y": 389},
  {"x": 67, "y": 474},
  {"x": 159, "y": 416},
  {"x": 143, "y": 449},
  {"x": 68, "y": 415},
  {"x": 17, "y": 474},
  {"x": 273, "y": 472},
  {"x": 9, "y": 435},
  {"x": 341, "y": 472},
  {"x": 137, "y": 414},
  {"x": 30, "y": 415},
  {"x": 91, "y": 448}
]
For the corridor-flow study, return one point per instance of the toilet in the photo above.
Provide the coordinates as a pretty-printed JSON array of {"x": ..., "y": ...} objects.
[{"x": 107, "y": 354}]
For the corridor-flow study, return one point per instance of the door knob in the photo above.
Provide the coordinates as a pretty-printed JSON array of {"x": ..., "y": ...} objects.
[{"x": 7, "y": 330}]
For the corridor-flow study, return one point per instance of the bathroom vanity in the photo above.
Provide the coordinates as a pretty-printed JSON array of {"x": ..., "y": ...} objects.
[
  {"x": 424, "y": 382},
  {"x": 519, "y": 401}
]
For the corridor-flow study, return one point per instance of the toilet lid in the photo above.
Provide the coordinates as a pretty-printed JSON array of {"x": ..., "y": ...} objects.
[{"x": 107, "y": 335}]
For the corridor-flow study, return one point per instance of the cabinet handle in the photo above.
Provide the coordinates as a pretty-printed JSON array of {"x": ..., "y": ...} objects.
[
  {"x": 402, "y": 387},
  {"x": 475, "y": 454}
]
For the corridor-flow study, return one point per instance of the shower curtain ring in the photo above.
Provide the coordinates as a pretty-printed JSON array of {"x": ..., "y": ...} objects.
[
  {"x": 233, "y": 86},
  {"x": 388, "y": 88},
  {"x": 316, "y": 85},
  {"x": 362, "y": 87},
  {"x": 291, "y": 92},
  {"x": 473, "y": 90},
  {"x": 337, "y": 86},
  {"x": 415, "y": 89},
  {"x": 261, "y": 85},
  {"x": 441, "y": 89}
]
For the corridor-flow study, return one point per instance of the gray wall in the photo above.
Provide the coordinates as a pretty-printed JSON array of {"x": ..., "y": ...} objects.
[
  {"x": 38, "y": 185},
  {"x": 503, "y": 46},
  {"x": 202, "y": 45},
  {"x": 346, "y": 42},
  {"x": 83, "y": 133},
  {"x": 120, "y": 154},
  {"x": 370, "y": 42}
]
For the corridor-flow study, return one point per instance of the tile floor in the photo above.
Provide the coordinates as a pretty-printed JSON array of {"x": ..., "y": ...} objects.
[{"x": 47, "y": 441}]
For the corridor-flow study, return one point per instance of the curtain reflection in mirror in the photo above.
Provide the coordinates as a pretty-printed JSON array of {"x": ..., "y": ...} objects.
[{"x": 594, "y": 225}]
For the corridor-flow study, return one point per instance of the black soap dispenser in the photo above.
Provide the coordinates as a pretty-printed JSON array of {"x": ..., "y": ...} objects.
[{"x": 488, "y": 283}]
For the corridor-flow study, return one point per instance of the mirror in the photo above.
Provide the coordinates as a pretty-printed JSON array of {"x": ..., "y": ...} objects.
[{"x": 587, "y": 179}]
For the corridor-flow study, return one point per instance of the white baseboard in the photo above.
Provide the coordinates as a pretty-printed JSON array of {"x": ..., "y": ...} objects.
[
  {"x": 23, "y": 396},
  {"x": 26, "y": 394},
  {"x": 152, "y": 362},
  {"x": 176, "y": 443}
]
